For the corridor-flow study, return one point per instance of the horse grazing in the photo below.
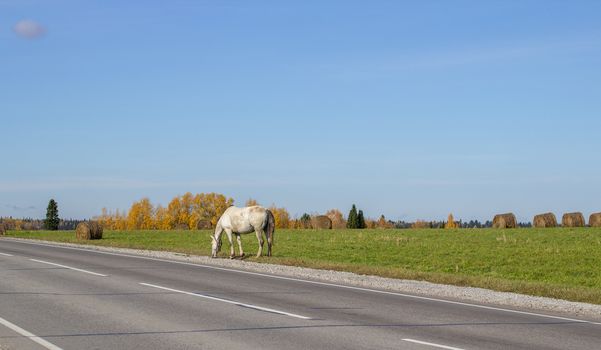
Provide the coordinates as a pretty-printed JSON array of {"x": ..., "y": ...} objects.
[{"x": 241, "y": 221}]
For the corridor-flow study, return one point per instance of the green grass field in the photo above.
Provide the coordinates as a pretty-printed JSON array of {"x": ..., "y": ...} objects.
[{"x": 561, "y": 263}]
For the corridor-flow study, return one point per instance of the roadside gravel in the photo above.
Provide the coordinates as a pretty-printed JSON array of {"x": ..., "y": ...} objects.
[{"x": 420, "y": 288}]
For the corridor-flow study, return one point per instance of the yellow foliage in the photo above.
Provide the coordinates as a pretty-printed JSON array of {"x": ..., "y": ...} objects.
[
  {"x": 110, "y": 221},
  {"x": 120, "y": 220},
  {"x": 281, "y": 216},
  {"x": 141, "y": 215},
  {"x": 451, "y": 222},
  {"x": 209, "y": 206},
  {"x": 161, "y": 219},
  {"x": 182, "y": 211}
]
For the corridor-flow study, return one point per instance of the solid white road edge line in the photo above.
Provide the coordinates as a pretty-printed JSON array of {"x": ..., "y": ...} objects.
[
  {"x": 316, "y": 282},
  {"x": 228, "y": 301},
  {"x": 29, "y": 335},
  {"x": 69, "y": 267},
  {"x": 5, "y": 254},
  {"x": 432, "y": 344}
]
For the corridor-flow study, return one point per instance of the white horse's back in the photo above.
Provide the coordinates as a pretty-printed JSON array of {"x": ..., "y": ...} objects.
[{"x": 243, "y": 220}]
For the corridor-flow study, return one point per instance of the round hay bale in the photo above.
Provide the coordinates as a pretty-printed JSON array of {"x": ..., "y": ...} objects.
[
  {"x": 572, "y": 220},
  {"x": 595, "y": 220},
  {"x": 544, "y": 220},
  {"x": 504, "y": 221},
  {"x": 88, "y": 230},
  {"x": 204, "y": 225},
  {"x": 321, "y": 222}
]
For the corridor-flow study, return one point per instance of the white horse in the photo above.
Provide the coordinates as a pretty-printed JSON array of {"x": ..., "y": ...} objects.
[{"x": 244, "y": 220}]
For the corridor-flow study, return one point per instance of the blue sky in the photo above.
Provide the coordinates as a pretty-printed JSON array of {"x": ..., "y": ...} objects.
[{"x": 408, "y": 109}]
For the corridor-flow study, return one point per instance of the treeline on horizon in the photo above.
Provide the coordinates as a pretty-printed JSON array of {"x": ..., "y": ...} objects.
[
  {"x": 31, "y": 224},
  {"x": 202, "y": 211}
]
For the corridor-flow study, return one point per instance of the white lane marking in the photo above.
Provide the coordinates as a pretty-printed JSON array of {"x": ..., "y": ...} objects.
[
  {"x": 29, "y": 335},
  {"x": 5, "y": 254},
  {"x": 432, "y": 344},
  {"x": 316, "y": 283},
  {"x": 250, "y": 306},
  {"x": 69, "y": 267}
]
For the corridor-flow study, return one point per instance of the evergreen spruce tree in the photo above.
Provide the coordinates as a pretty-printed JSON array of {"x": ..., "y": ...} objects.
[
  {"x": 352, "y": 218},
  {"x": 52, "y": 220},
  {"x": 361, "y": 220}
]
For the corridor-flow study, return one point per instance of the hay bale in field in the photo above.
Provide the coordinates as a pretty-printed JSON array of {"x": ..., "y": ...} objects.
[
  {"x": 321, "y": 222},
  {"x": 572, "y": 220},
  {"x": 595, "y": 220},
  {"x": 504, "y": 221},
  {"x": 88, "y": 230},
  {"x": 204, "y": 225},
  {"x": 544, "y": 220}
]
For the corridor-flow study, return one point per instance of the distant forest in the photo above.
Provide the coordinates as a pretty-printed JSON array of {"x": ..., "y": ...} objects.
[
  {"x": 203, "y": 210},
  {"x": 30, "y": 224}
]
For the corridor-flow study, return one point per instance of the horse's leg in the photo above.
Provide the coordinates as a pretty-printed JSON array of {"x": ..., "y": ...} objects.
[
  {"x": 269, "y": 242},
  {"x": 229, "y": 237},
  {"x": 239, "y": 244},
  {"x": 260, "y": 238}
]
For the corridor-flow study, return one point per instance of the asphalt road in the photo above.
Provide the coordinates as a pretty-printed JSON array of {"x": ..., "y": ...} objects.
[{"x": 54, "y": 297}]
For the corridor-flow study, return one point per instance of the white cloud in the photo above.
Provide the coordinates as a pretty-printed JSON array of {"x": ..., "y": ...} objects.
[{"x": 29, "y": 29}]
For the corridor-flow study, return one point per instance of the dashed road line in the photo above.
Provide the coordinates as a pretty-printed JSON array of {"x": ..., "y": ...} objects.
[
  {"x": 29, "y": 335},
  {"x": 432, "y": 344},
  {"x": 250, "y": 306},
  {"x": 69, "y": 267}
]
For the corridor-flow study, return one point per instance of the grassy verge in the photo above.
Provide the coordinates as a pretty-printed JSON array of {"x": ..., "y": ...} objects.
[{"x": 560, "y": 263}]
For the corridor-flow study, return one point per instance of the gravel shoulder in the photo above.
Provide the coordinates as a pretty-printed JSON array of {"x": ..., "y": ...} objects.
[{"x": 419, "y": 288}]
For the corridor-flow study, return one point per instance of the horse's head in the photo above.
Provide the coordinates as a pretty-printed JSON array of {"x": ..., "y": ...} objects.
[{"x": 216, "y": 246}]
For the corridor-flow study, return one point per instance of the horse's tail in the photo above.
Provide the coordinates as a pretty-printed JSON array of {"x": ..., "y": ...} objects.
[{"x": 269, "y": 230}]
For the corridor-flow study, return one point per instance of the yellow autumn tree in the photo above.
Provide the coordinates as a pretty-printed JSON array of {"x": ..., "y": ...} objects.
[
  {"x": 209, "y": 207},
  {"x": 281, "y": 216},
  {"x": 182, "y": 212},
  {"x": 179, "y": 211},
  {"x": 451, "y": 222},
  {"x": 120, "y": 220},
  {"x": 186, "y": 208},
  {"x": 161, "y": 218},
  {"x": 250, "y": 202},
  {"x": 140, "y": 216}
]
